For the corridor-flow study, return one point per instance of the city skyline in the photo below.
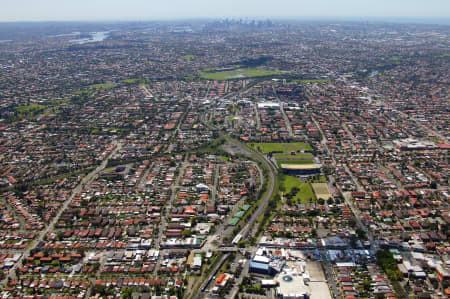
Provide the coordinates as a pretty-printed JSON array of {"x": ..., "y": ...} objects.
[{"x": 102, "y": 10}]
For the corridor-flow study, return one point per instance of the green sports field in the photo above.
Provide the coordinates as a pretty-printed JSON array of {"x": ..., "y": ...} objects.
[
  {"x": 280, "y": 147},
  {"x": 238, "y": 73}
]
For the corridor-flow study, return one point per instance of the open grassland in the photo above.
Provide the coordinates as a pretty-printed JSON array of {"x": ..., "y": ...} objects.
[
  {"x": 289, "y": 182},
  {"x": 34, "y": 110},
  {"x": 238, "y": 73},
  {"x": 189, "y": 57},
  {"x": 280, "y": 147},
  {"x": 30, "y": 109},
  {"x": 297, "y": 190},
  {"x": 102, "y": 86}
]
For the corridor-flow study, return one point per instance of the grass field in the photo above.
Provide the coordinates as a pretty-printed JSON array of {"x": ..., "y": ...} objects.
[
  {"x": 297, "y": 156},
  {"x": 223, "y": 158},
  {"x": 189, "y": 57},
  {"x": 295, "y": 162},
  {"x": 30, "y": 109},
  {"x": 33, "y": 110},
  {"x": 321, "y": 190},
  {"x": 304, "y": 195},
  {"x": 81, "y": 92},
  {"x": 290, "y": 182},
  {"x": 238, "y": 73},
  {"x": 280, "y": 147},
  {"x": 102, "y": 86}
]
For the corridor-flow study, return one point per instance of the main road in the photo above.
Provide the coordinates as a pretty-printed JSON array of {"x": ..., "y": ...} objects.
[{"x": 283, "y": 113}]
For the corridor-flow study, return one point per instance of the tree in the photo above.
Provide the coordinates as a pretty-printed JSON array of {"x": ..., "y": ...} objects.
[
  {"x": 387, "y": 262},
  {"x": 99, "y": 289},
  {"x": 127, "y": 293},
  {"x": 366, "y": 285},
  {"x": 361, "y": 234},
  {"x": 187, "y": 233},
  {"x": 352, "y": 222},
  {"x": 59, "y": 236},
  {"x": 55, "y": 263}
]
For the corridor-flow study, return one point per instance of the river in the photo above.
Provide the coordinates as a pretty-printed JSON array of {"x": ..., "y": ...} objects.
[{"x": 95, "y": 37}]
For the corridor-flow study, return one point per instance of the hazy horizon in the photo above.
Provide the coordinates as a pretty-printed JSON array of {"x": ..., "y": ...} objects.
[{"x": 114, "y": 10}]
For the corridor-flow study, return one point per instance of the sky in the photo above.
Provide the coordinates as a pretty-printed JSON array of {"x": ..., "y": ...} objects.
[{"x": 100, "y": 10}]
